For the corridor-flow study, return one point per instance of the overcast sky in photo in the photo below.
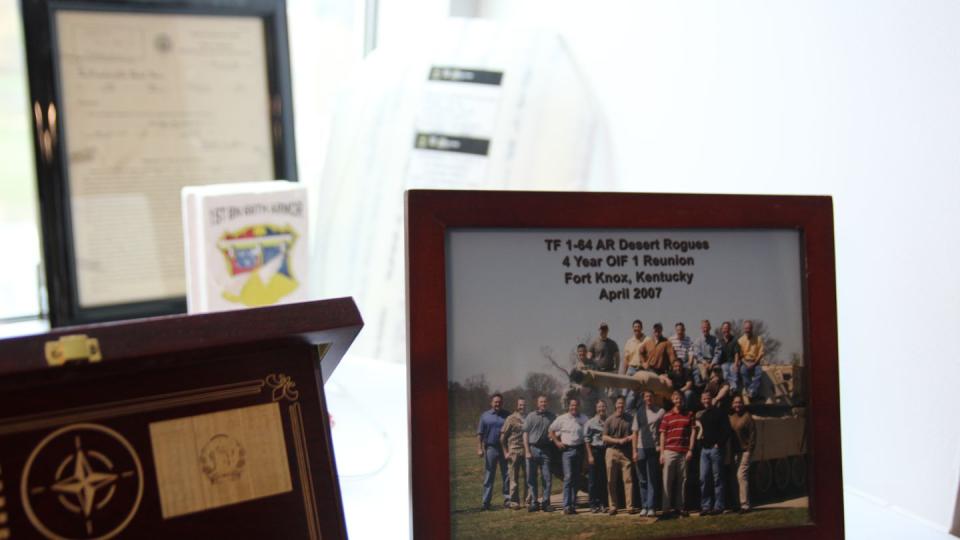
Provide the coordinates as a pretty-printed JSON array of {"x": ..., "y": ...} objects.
[{"x": 508, "y": 295}]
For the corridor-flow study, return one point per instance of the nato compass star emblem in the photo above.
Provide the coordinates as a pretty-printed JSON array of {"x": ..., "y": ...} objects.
[{"x": 83, "y": 482}]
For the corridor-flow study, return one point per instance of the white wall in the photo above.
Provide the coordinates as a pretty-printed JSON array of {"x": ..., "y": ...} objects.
[{"x": 856, "y": 99}]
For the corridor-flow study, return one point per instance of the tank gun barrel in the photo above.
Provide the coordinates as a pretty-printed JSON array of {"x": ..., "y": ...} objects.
[{"x": 640, "y": 381}]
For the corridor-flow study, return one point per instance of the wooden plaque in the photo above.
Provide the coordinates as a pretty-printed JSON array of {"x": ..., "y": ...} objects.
[{"x": 192, "y": 426}]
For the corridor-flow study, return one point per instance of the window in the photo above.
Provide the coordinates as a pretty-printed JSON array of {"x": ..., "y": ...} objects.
[
  {"x": 19, "y": 272},
  {"x": 327, "y": 38}
]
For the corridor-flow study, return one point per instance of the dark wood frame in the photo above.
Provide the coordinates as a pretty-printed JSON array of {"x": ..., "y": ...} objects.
[
  {"x": 320, "y": 331},
  {"x": 430, "y": 214},
  {"x": 52, "y": 172},
  {"x": 336, "y": 321}
]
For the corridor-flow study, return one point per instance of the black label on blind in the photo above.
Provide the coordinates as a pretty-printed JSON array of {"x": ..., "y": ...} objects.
[
  {"x": 449, "y": 143},
  {"x": 476, "y": 76}
]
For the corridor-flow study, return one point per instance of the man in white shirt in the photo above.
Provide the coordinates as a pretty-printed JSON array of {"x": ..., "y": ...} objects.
[
  {"x": 567, "y": 433},
  {"x": 682, "y": 344}
]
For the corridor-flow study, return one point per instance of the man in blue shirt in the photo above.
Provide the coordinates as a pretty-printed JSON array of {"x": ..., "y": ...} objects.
[
  {"x": 488, "y": 447},
  {"x": 706, "y": 354}
]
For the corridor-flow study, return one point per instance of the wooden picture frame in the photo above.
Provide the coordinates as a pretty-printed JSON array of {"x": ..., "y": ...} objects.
[
  {"x": 131, "y": 100},
  {"x": 436, "y": 221}
]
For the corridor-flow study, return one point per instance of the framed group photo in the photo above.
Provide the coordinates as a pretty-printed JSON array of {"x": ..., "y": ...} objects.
[{"x": 618, "y": 365}]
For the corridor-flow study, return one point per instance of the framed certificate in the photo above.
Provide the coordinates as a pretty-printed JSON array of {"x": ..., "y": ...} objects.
[
  {"x": 667, "y": 362},
  {"x": 132, "y": 100}
]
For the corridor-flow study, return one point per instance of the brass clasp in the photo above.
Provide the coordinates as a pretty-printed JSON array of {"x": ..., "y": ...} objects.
[{"x": 73, "y": 348}]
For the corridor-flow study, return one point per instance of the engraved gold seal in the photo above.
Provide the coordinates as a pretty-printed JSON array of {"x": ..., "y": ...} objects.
[
  {"x": 82, "y": 482},
  {"x": 222, "y": 458}
]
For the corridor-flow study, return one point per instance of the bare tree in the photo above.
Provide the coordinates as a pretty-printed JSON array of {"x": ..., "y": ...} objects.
[
  {"x": 571, "y": 362},
  {"x": 586, "y": 395},
  {"x": 467, "y": 401},
  {"x": 548, "y": 354},
  {"x": 511, "y": 396},
  {"x": 543, "y": 384},
  {"x": 477, "y": 383}
]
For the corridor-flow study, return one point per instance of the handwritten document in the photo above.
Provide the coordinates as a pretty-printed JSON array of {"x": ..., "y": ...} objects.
[{"x": 152, "y": 103}]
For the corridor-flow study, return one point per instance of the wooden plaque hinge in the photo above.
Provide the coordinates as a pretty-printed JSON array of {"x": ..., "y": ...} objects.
[{"x": 76, "y": 348}]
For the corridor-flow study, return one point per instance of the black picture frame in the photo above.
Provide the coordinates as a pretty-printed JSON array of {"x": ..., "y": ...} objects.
[{"x": 52, "y": 168}]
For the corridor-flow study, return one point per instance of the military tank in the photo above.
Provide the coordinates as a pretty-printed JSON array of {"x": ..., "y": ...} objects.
[{"x": 779, "y": 460}]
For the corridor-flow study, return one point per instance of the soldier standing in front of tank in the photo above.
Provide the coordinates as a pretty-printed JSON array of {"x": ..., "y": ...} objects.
[
  {"x": 617, "y": 433},
  {"x": 745, "y": 439},
  {"x": 597, "y": 471},
  {"x": 713, "y": 427},
  {"x": 751, "y": 350},
  {"x": 488, "y": 448},
  {"x": 566, "y": 432},
  {"x": 676, "y": 445},
  {"x": 539, "y": 451},
  {"x": 604, "y": 353},
  {"x": 646, "y": 454},
  {"x": 511, "y": 439}
]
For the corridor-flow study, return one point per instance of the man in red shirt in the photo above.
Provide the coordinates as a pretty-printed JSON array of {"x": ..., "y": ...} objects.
[{"x": 677, "y": 450}]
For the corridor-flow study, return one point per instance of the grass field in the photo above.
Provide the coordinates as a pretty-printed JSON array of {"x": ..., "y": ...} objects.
[{"x": 468, "y": 522}]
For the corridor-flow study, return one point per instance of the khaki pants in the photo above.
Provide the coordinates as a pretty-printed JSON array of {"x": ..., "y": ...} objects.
[
  {"x": 516, "y": 474},
  {"x": 617, "y": 461},
  {"x": 674, "y": 481},
  {"x": 743, "y": 474}
]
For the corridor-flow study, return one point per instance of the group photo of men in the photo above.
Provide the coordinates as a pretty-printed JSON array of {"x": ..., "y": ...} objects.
[
  {"x": 574, "y": 415},
  {"x": 630, "y": 449}
]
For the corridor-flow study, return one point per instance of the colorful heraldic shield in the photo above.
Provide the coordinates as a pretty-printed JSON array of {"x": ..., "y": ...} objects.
[{"x": 258, "y": 264}]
